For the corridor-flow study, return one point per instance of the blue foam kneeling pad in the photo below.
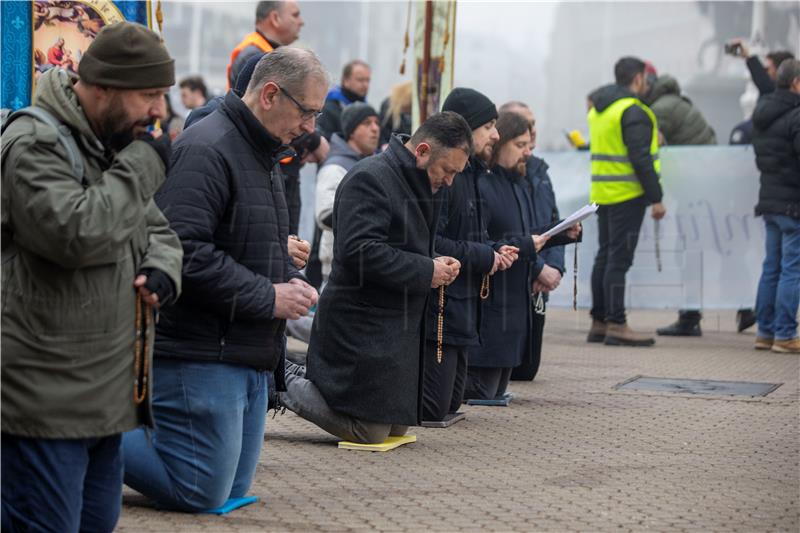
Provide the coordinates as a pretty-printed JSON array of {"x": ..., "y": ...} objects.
[
  {"x": 232, "y": 504},
  {"x": 501, "y": 401}
]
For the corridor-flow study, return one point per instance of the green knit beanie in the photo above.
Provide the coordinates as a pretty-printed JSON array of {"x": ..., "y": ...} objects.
[{"x": 126, "y": 55}]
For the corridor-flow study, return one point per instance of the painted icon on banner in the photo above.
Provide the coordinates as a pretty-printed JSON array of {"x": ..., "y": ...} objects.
[{"x": 62, "y": 31}]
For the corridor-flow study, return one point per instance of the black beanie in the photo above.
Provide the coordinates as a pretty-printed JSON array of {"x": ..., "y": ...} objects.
[
  {"x": 476, "y": 109},
  {"x": 353, "y": 115},
  {"x": 126, "y": 55}
]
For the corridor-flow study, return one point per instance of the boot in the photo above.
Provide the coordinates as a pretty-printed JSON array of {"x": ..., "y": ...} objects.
[
  {"x": 787, "y": 346},
  {"x": 623, "y": 335},
  {"x": 744, "y": 319},
  {"x": 763, "y": 343},
  {"x": 688, "y": 325},
  {"x": 597, "y": 333}
]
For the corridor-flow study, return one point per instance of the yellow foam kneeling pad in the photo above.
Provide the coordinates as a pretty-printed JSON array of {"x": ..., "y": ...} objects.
[{"x": 389, "y": 444}]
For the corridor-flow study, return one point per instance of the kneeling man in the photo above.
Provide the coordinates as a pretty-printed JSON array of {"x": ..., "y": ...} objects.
[{"x": 365, "y": 358}]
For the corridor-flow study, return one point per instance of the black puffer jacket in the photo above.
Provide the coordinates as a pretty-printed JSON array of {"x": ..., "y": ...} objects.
[
  {"x": 776, "y": 140},
  {"x": 226, "y": 202}
]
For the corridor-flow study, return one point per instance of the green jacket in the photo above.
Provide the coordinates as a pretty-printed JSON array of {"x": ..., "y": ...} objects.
[
  {"x": 678, "y": 120},
  {"x": 70, "y": 254}
]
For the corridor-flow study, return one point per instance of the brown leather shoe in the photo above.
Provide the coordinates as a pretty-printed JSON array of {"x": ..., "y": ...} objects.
[
  {"x": 623, "y": 335},
  {"x": 597, "y": 333},
  {"x": 763, "y": 343},
  {"x": 787, "y": 346}
]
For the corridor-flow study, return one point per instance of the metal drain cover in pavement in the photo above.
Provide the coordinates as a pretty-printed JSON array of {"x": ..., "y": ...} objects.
[{"x": 698, "y": 386}]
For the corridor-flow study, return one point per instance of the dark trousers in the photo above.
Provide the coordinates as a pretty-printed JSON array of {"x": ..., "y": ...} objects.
[
  {"x": 443, "y": 383},
  {"x": 618, "y": 228},
  {"x": 61, "y": 485},
  {"x": 486, "y": 383}
]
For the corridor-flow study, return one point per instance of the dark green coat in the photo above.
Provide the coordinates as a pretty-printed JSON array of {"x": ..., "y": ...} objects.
[
  {"x": 70, "y": 255},
  {"x": 678, "y": 120}
]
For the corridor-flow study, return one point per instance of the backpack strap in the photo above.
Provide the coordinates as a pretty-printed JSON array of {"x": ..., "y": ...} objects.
[{"x": 65, "y": 136}]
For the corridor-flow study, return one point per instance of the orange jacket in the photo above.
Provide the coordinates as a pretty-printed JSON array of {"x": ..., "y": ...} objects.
[{"x": 251, "y": 39}]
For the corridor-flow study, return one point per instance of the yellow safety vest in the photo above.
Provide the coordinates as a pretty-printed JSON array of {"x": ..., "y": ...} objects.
[{"x": 613, "y": 177}]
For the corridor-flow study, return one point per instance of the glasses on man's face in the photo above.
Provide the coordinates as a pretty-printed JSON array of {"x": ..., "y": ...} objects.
[{"x": 305, "y": 113}]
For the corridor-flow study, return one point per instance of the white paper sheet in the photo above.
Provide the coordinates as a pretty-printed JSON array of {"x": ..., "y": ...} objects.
[{"x": 579, "y": 215}]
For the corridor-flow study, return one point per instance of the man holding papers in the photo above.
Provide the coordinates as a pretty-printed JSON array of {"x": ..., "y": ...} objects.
[{"x": 625, "y": 180}]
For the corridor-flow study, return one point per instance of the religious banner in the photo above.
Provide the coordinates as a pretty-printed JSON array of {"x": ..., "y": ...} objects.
[
  {"x": 41, "y": 34},
  {"x": 434, "y": 53}
]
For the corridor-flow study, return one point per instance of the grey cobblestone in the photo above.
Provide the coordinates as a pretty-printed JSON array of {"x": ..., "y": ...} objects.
[{"x": 569, "y": 454}]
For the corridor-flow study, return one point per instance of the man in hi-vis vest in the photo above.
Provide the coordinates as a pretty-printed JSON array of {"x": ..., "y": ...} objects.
[
  {"x": 278, "y": 23},
  {"x": 625, "y": 180}
]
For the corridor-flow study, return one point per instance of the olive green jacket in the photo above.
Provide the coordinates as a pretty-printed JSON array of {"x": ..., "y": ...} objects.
[
  {"x": 70, "y": 253},
  {"x": 678, "y": 119}
]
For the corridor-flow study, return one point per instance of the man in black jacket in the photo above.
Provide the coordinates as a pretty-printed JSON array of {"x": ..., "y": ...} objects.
[
  {"x": 461, "y": 234},
  {"x": 364, "y": 358},
  {"x": 215, "y": 346},
  {"x": 763, "y": 76},
  {"x": 625, "y": 180},
  {"x": 776, "y": 141},
  {"x": 356, "y": 76}
]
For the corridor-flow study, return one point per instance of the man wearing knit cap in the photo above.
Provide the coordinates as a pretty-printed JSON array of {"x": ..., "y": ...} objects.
[
  {"x": 461, "y": 234},
  {"x": 87, "y": 257},
  {"x": 360, "y": 139}
]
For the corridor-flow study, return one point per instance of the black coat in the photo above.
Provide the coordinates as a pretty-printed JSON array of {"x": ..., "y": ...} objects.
[
  {"x": 776, "y": 141},
  {"x": 461, "y": 233},
  {"x": 545, "y": 213},
  {"x": 366, "y": 342},
  {"x": 226, "y": 203},
  {"x": 506, "y": 313}
]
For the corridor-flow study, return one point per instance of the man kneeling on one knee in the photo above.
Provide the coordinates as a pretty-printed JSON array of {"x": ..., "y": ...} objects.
[{"x": 364, "y": 359}]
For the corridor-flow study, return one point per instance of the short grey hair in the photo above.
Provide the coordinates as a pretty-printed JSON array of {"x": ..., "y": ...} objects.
[
  {"x": 263, "y": 9},
  {"x": 290, "y": 68},
  {"x": 787, "y": 73},
  {"x": 511, "y": 105}
]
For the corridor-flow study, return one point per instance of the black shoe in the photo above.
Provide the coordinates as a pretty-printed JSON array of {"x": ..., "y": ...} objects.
[
  {"x": 687, "y": 325},
  {"x": 745, "y": 318}
]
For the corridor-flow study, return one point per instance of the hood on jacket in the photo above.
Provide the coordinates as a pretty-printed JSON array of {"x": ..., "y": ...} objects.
[
  {"x": 537, "y": 168},
  {"x": 199, "y": 113},
  {"x": 339, "y": 147},
  {"x": 664, "y": 85},
  {"x": 55, "y": 92},
  {"x": 773, "y": 106},
  {"x": 603, "y": 97}
]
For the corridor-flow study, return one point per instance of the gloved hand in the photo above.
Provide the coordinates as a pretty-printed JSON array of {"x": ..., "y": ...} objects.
[
  {"x": 159, "y": 283},
  {"x": 161, "y": 145}
]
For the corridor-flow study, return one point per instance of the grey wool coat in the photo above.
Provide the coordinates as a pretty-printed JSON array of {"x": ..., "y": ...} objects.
[{"x": 365, "y": 353}]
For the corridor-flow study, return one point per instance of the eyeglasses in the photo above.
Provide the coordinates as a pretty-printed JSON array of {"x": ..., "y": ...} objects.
[{"x": 305, "y": 113}]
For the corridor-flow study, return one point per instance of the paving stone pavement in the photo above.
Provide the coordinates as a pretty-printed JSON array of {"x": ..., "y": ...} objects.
[{"x": 569, "y": 454}]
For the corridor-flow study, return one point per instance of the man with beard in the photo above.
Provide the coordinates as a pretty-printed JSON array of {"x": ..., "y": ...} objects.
[
  {"x": 461, "y": 234},
  {"x": 215, "y": 347},
  {"x": 84, "y": 248},
  {"x": 549, "y": 267},
  {"x": 508, "y": 209},
  {"x": 364, "y": 358}
]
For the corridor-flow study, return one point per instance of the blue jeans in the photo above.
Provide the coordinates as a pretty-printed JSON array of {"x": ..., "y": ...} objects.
[
  {"x": 209, "y": 421},
  {"x": 61, "y": 485},
  {"x": 779, "y": 287}
]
